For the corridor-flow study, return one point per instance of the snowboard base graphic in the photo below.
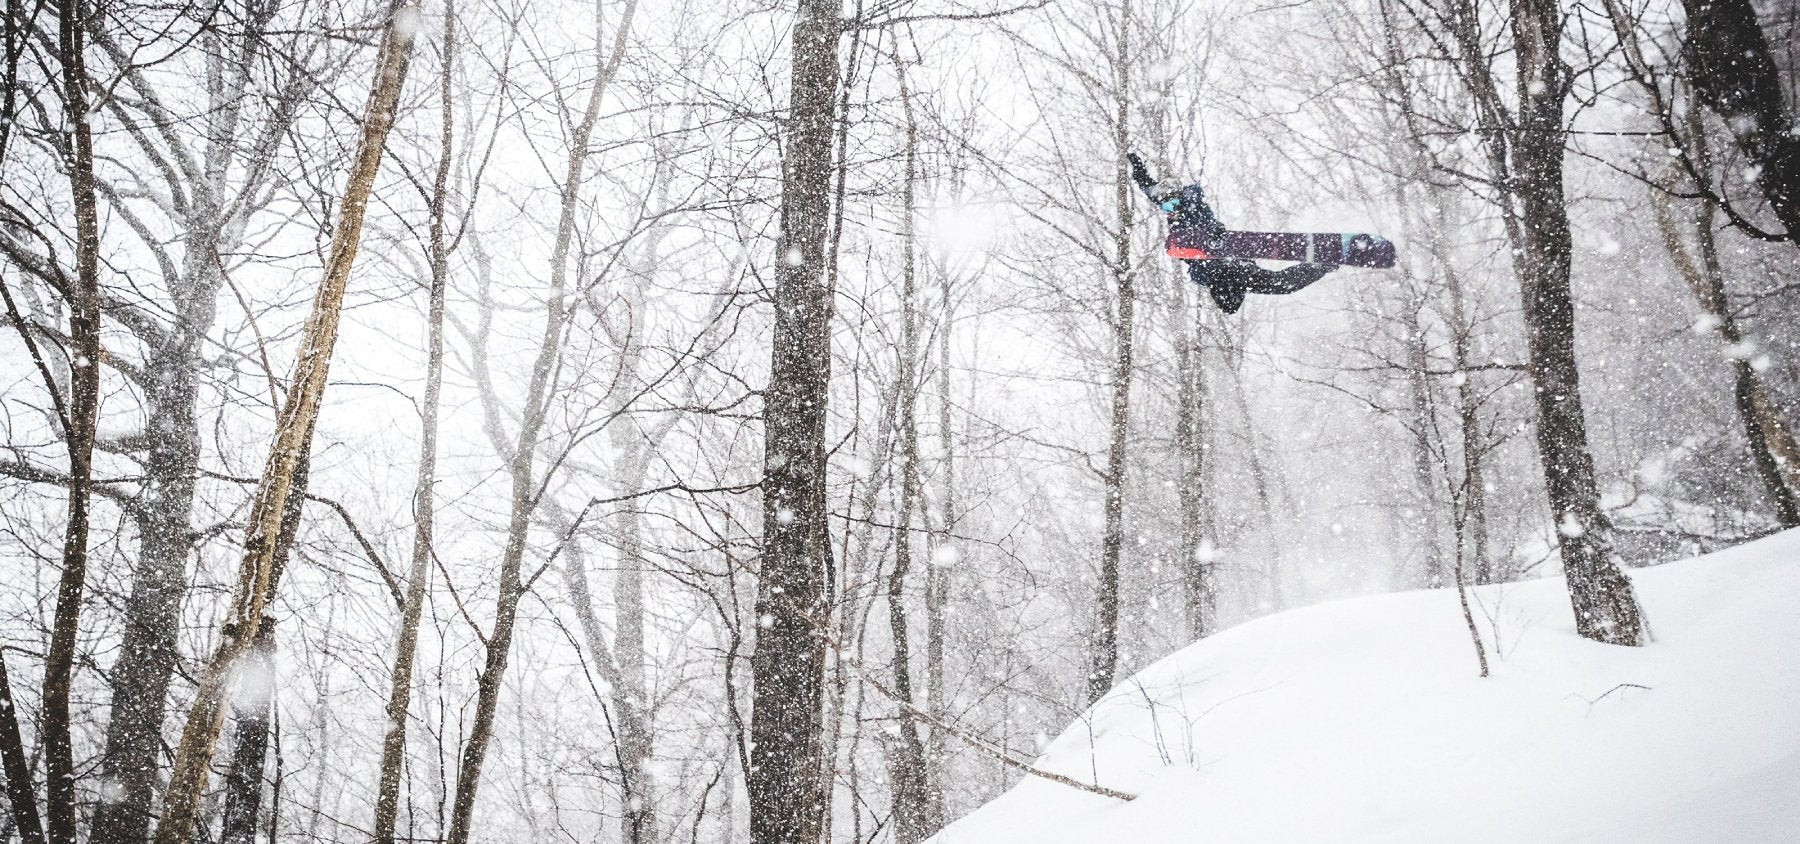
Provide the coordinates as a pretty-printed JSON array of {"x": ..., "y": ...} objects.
[{"x": 1355, "y": 249}]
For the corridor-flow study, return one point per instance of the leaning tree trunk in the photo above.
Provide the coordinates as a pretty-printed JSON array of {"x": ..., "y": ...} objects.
[
  {"x": 1605, "y": 607},
  {"x": 1103, "y": 655},
  {"x": 255, "y": 708},
  {"x": 80, "y": 415},
  {"x": 786, "y": 785},
  {"x": 293, "y": 434},
  {"x": 1735, "y": 75}
]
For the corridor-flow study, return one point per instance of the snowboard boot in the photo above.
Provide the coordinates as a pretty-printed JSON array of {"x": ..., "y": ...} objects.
[{"x": 1227, "y": 292}]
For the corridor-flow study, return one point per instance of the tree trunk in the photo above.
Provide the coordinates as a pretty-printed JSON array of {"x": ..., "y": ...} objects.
[
  {"x": 906, "y": 758},
  {"x": 1605, "y": 607},
  {"x": 1103, "y": 657},
  {"x": 1474, "y": 518},
  {"x": 632, "y": 696},
  {"x": 79, "y": 421},
  {"x": 163, "y": 511},
  {"x": 786, "y": 786},
  {"x": 630, "y": 704},
  {"x": 254, "y": 707},
  {"x": 20, "y": 795},
  {"x": 638, "y": 821},
  {"x": 1735, "y": 75},
  {"x": 1772, "y": 447},
  {"x": 1424, "y": 411},
  {"x": 937, "y": 586},
  {"x": 293, "y": 434},
  {"x": 1200, "y": 592},
  {"x": 393, "y": 744}
]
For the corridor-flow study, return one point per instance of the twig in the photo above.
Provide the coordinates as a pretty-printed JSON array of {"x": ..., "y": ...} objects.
[
  {"x": 998, "y": 753},
  {"x": 1603, "y": 695}
]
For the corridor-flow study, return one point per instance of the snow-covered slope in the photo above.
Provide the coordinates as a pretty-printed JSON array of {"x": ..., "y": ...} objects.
[{"x": 1364, "y": 720}]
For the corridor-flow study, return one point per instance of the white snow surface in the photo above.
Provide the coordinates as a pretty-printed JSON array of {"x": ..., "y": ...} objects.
[{"x": 1365, "y": 720}]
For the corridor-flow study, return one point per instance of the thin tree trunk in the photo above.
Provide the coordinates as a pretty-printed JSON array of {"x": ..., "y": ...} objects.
[
  {"x": 907, "y": 755},
  {"x": 1424, "y": 423},
  {"x": 937, "y": 584},
  {"x": 629, "y": 703},
  {"x": 1103, "y": 657},
  {"x": 1772, "y": 447},
  {"x": 250, "y": 750},
  {"x": 14, "y": 762},
  {"x": 785, "y": 782},
  {"x": 522, "y": 464},
  {"x": 78, "y": 427},
  {"x": 293, "y": 433},
  {"x": 1474, "y": 520},
  {"x": 1199, "y": 591},
  {"x": 393, "y": 744}
]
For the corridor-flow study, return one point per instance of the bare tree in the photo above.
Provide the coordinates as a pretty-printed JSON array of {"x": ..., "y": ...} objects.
[
  {"x": 522, "y": 454},
  {"x": 907, "y": 755},
  {"x": 299, "y": 414},
  {"x": 438, "y": 246},
  {"x": 1524, "y": 141},
  {"x": 1692, "y": 243},
  {"x": 787, "y": 796},
  {"x": 79, "y": 417}
]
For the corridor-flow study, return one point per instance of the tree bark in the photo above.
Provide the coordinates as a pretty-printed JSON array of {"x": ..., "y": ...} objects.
[
  {"x": 937, "y": 584},
  {"x": 1104, "y": 650},
  {"x": 293, "y": 435},
  {"x": 393, "y": 743},
  {"x": 78, "y": 427},
  {"x": 1735, "y": 75},
  {"x": 786, "y": 784},
  {"x": 1474, "y": 518},
  {"x": 1605, "y": 607}
]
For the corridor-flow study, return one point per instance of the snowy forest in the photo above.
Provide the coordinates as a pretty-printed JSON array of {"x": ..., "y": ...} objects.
[{"x": 678, "y": 421}]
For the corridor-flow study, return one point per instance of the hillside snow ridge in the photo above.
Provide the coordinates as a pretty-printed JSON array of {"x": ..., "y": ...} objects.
[{"x": 1364, "y": 720}]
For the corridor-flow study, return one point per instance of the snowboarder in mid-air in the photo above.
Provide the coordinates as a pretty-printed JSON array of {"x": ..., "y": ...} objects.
[{"x": 1191, "y": 221}]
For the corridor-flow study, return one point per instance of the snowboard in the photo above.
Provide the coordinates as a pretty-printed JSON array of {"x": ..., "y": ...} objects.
[{"x": 1350, "y": 250}]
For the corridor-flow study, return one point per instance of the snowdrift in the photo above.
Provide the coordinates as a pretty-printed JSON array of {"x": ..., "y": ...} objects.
[{"x": 1365, "y": 720}]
